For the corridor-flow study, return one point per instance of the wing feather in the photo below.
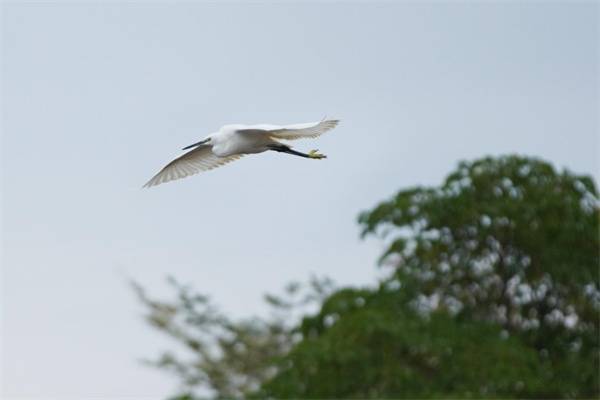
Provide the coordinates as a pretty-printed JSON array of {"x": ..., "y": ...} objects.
[
  {"x": 194, "y": 161},
  {"x": 293, "y": 132}
]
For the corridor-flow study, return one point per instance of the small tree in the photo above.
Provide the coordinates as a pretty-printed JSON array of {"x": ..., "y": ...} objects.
[{"x": 227, "y": 358}]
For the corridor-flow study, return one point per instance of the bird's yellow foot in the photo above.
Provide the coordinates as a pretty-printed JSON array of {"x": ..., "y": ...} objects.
[{"x": 316, "y": 155}]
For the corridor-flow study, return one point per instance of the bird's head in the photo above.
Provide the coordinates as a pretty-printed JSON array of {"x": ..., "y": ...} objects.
[{"x": 207, "y": 141}]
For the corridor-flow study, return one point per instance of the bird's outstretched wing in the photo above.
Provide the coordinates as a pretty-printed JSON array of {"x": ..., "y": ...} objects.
[
  {"x": 293, "y": 132},
  {"x": 200, "y": 159}
]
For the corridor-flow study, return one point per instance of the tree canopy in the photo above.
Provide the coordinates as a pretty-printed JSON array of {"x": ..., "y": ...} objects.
[{"x": 493, "y": 291}]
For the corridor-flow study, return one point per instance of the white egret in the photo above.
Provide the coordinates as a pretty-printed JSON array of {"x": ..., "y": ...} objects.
[{"x": 233, "y": 141}]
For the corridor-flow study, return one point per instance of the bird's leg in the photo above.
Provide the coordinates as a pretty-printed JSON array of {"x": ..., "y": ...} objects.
[{"x": 282, "y": 148}]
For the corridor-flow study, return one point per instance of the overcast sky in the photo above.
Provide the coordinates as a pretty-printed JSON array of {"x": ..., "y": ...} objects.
[{"x": 96, "y": 98}]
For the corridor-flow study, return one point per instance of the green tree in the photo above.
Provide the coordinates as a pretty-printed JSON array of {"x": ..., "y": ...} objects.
[
  {"x": 513, "y": 242},
  {"x": 493, "y": 291}
]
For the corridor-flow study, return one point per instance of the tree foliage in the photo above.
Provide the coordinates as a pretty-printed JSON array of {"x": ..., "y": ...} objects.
[
  {"x": 493, "y": 291},
  {"x": 368, "y": 344},
  {"x": 226, "y": 358},
  {"x": 510, "y": 241}
]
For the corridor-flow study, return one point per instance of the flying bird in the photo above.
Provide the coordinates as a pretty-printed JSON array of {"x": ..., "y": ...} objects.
[{"x": 232, "y": 142}]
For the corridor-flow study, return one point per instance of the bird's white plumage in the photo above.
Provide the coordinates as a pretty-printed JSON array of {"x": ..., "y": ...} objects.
[{"x": 233, "y": 141}]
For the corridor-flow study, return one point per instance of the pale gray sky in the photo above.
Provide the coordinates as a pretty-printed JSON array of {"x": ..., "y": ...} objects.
[{"x": 95, "y": 98}]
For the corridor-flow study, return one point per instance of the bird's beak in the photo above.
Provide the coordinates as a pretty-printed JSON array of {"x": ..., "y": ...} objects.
[{"x": 196, "y": 144}]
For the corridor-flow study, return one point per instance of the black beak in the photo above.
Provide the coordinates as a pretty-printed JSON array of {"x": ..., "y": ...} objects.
[{"x": 196, "y": 144}]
